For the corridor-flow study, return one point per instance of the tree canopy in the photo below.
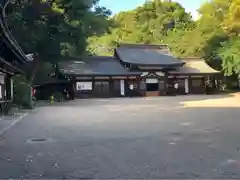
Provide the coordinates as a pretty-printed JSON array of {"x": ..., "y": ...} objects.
[
  {"x": 214, "y": 36},
  {"x": 55, "y": 28}
]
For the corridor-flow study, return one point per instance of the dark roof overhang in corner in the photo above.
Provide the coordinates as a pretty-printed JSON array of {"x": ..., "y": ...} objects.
[
  {"x": 158, "y": 56},
  {"x": 9, "y": 41}
]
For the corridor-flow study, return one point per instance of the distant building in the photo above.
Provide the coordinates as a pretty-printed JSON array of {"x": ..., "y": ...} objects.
[{"x": 137, "y": 70}]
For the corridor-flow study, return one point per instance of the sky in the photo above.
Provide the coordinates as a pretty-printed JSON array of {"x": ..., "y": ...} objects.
[{"x": 116, "y": 5}]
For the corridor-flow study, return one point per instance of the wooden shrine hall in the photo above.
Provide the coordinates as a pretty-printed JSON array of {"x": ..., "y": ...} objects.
[
  {"x": 11, "y": 60},
  {"x": 138, "y": 70}
]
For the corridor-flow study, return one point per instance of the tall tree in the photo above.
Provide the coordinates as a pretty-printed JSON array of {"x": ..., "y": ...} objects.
[
  {"x": 52, "y": 28},
  {"x": 148, "y": 24},
  {"x": 231, "y": 22},
  {"x": 214, "y": 36},
  {"x": 230, "y": 54}
]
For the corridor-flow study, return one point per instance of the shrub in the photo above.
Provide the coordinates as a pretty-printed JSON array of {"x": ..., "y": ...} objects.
[
  {"x": 58, "y": 96},
  {"x": 22, "y": 92}
]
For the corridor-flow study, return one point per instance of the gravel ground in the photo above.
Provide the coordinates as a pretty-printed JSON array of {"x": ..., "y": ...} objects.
[{"x": 144, "y": 138}]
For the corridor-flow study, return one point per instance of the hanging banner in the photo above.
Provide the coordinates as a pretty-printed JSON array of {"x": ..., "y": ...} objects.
[
  {"x": 81, "y": 86},
  {"x": 122, "y": 87}
]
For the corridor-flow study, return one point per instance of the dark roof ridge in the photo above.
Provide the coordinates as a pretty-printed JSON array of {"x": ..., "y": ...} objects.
[
  {"x": 82, "y": 58},
  {"x": 153, "y": 46},
  {"x": 112, "y": 57},
  {"x": 190, "y": 57}
]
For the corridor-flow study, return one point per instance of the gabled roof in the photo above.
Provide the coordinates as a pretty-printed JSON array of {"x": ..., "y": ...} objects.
[
  {"x": 94, "y": 66},
  {"x": 147, "y": 55},
  {"x": 194, "y": 66}
]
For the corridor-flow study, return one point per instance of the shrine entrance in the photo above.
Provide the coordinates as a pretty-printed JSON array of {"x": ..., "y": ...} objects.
[{"x": 154, "y": 83}]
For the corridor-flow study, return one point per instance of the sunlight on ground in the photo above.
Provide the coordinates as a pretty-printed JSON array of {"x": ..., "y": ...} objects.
[
  {"x": 232, "y": 101},
  {"x": 132, "y": 107},
  {"x": 139, "y": 107}
]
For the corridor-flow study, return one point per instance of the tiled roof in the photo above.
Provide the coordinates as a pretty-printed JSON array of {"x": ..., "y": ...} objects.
[
  {"x": 111, "y": 66},
  {"x": 194, "y": 65},
  {"x": 150, "y": 55},
  {"x": 94, "y": 66}
]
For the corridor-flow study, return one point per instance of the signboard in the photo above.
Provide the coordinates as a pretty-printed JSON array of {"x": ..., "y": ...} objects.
[
  {"x": 122, "y": 87},
  {"x": 81, "y": 86},
  {"x": 151, "y": 81}
]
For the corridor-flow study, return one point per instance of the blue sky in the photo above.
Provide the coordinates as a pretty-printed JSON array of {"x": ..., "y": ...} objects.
[{"x": 116, "y": 5}]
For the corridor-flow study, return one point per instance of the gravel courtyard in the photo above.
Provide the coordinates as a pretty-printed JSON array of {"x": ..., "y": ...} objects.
[{"x": 144, "y": 138}]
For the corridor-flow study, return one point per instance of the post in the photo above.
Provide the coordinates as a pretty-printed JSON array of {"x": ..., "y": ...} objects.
[
  {"x": 239, "y": 81},
  {"x": 190, "y": 85},
  {"x": 186, "y": 85},
  {"x": 8, "y": 87},
  {"x": 166, "y": 83},
  {"x": 138, "y": 85},
  {"x": 204, "y": 85},
  {"x": 214, "y": 84},
  {"x": 11, "y": 82},
  {"x": 110, "y": 86},
  {"x": 122, "y": 87}
]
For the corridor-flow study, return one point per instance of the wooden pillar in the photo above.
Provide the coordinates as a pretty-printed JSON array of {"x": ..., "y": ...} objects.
[
  {"x": 12, "y": 90},
  {"x": 214, "y": 84},
  {"x": 186, "y": 85},
  {"x": 145, "y": 88},
  {"x": 7, "y": 88},
  {"x": 190, "y": 85},
  {"x": 143, "y": 85},
  {"x": 72, "y": 89},
  {"x": 126, "y": 84},
  {"x": 166, "y": 83},
  {"x": 217, "y": 81},
  {"x": 238, "y": 78},
  {"x": 93, "y": 86},
  {"x": 204, "y": 85},
  {"x": 122, "y": 87},
  {"x": 138, "y": 85},
  {"x": 110, "y": 86}
]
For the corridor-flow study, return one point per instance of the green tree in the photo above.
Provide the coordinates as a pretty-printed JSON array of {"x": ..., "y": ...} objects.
[
  {"x": 149, "y": 24},
  {"x": 230, "y": 55},
  {"x": 231, "y": 21},
  {"x": 53, "y": 28}
]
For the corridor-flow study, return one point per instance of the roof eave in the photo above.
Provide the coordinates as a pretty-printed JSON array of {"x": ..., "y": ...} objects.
[
  {"x": 7, "y": 34},
  {"x": 194, "y": 74},
  {"x": 99, "y": 75},
  {"x": 159, "y": 65}
]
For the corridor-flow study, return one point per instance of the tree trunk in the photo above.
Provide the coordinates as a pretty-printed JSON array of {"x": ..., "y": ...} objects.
[{"x": 35, "y": 67}]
